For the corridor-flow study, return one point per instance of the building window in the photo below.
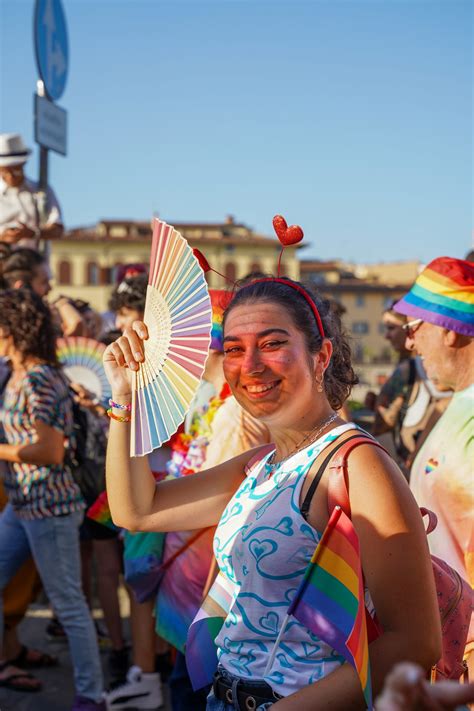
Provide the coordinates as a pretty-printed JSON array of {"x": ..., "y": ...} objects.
[
  {"x": 360, "y": 327},
  {"x": 230, "y": 271},
  {"x": 105, "y": 276},
  {"x": 92, "y": 274},
  {"x": 387, "y": 302},
  {"x": 360, "y": 300},
  {"x": 114, "y": 273},
  {"x": 64, "y": 272}
]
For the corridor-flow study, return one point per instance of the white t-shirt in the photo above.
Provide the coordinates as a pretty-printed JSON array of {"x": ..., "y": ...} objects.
[
  {"x": 21, "y": 205},
  {"x": 442, "y": 480}
]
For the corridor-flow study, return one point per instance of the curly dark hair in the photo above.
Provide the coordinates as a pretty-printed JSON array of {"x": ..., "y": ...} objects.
[
  {"x": 339, "y": 377},
  {"x": 20, "y": 265},
  {"x": 25, "y": 317},
  {"x": 130, "y": 294}
]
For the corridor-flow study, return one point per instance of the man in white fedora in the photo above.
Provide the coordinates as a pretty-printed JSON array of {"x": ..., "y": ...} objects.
[{"x": 20, "y": 221}]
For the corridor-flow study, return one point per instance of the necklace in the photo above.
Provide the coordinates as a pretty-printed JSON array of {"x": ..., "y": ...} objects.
[{"x": 308, "y": 439}]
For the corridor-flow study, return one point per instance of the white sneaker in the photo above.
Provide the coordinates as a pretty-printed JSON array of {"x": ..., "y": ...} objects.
[{"x": 140, "y": 691}]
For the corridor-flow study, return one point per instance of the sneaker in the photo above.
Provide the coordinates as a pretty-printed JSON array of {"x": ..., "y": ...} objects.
[
  {"x": 55, "y": 631},
  {"x": 140, "y": 691},
  {"x": 81, "y": 703}
]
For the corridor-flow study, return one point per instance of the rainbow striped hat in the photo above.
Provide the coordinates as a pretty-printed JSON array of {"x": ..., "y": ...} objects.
[{"x": 443, "y": 295}]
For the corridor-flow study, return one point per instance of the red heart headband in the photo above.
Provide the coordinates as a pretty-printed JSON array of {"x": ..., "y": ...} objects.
[{"x": 287, "y": 236}]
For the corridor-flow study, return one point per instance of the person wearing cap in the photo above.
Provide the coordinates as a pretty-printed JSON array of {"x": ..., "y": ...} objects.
[
  {"x": 440, "y": 327},
  {"x": 20, "y": 220},
  {"x": 409, "y": 402}
]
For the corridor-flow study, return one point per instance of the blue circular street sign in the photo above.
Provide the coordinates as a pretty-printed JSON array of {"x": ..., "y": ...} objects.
[{"x": 51, "y": 46}]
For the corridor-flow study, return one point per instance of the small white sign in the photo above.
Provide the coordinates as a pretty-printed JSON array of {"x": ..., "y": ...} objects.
[{"x": 50, "y": 125}]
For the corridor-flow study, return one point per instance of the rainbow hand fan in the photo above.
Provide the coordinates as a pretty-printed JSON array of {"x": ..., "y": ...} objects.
[
  {"x": 178, "y": 315},
  {"x": 82, "y": 361}
]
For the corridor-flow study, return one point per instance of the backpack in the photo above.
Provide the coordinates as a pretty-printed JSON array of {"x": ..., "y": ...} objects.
[
  {"x": 85, "y": 456},
  {"x": 455, "y": 596}
]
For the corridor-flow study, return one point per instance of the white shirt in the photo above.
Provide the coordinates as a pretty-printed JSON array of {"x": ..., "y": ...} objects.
[{"x": 21, "y": 205}]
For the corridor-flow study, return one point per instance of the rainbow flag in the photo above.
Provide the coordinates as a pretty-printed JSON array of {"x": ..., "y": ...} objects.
[
  {"x": 100, "y": 512},
  {"x": 201, "y": 650},
  {"x": 330, "y": 599},
  {"x": 180, "y": 593}
]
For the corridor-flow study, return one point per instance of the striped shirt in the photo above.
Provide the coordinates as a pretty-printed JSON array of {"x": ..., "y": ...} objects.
[{"x": 48, "y": 490}]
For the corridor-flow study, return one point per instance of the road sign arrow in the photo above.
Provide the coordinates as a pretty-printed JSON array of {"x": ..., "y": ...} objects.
[
  {"x": 56, "y": 60},
  {"x": 51, "y": 46}
]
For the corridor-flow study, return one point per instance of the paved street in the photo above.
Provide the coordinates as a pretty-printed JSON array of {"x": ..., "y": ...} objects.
[{"x": 58, "y": 691}]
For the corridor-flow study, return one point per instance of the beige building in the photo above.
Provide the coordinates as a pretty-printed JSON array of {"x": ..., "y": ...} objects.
[
  {"x": 390, "y": 273},
  {"x": 363, "y": 301},
  {"x": 86, "y": 260}
]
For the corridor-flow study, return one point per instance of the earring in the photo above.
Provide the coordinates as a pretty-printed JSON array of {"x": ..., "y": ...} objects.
[{"x": 320, "y": 384}]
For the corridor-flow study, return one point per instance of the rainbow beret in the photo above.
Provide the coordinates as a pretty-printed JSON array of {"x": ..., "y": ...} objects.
[
  {"x": 443, "y": 295},
  {"x": 220, "y": 300}
]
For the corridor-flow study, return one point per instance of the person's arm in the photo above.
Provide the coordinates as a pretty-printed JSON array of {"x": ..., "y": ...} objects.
[
  {"x": 12, "y": 235},
  {"x": 54, "y": 231},
  {"x": 72, "y": 323},
  {"x": 47, "y": 449},
  {"x": 53, "y": 227},
  {"x": 136, "y": 501},
  {"x": 399, "y": 576},
  {"x": 390, "y": 399}
]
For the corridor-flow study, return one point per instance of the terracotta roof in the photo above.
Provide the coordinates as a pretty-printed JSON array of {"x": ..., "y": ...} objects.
[
  {"x": 140, "y": 231},
  {"x": 316, "y": 265}
]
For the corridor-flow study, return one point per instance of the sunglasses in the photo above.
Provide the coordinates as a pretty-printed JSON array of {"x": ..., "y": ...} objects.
[{"x": 412, "y": 326}]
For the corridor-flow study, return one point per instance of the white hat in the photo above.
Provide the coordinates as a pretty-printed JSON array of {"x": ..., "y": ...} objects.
[{"x": 12, "y": 150}]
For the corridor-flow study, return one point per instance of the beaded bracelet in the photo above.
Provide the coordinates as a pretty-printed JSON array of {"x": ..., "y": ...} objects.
[
  {"x": 115, "y": 417},
  {"x": 118, "y": 406}
]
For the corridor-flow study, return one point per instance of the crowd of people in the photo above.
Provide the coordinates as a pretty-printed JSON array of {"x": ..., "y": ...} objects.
[{"x": 240, "y": 496}]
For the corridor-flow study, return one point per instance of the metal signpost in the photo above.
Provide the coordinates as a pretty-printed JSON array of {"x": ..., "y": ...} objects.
[{"x": 51, "y": 49}]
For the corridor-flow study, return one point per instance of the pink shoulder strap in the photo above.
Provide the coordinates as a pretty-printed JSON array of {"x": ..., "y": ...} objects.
[{"x": 338, "y": 494}]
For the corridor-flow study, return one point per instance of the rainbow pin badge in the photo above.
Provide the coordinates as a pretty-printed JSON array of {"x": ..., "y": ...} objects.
[{"x": 431, "y": 464}]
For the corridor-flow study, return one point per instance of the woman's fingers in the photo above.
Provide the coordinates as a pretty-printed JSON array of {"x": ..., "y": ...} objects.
[
  {"x": 140, "y": 328},
  {"x": 116, "y": 351},
  {"x": 128, "y": 350},
  {"x": 135, "y": 343}
]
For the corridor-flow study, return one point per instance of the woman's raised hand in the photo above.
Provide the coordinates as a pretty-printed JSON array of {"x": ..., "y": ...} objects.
[{"x": 123, "y": 356}]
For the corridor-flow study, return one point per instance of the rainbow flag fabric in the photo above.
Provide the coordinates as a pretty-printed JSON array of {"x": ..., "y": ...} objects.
[
  {"x": 201, "y": 651},
  {"x": 443, "y": 294},
  {"x": 330, "y": 599},
  {"x": 100, "y": 512}
]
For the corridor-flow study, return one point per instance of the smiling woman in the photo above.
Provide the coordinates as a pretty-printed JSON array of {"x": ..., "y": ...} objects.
[{"x": 288, "y": 364}]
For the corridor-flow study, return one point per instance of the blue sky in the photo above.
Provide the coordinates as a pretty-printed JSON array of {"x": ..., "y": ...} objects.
[{"x": 353, "y": 119}]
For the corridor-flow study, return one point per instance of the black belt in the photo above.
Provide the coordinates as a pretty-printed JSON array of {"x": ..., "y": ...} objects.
[{"x": 249, "y": 695}]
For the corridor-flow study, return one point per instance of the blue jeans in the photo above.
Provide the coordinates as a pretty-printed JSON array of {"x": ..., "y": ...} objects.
[
  {"x": 214, "y": 704},
  {"x": 54, "y": 545}
]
